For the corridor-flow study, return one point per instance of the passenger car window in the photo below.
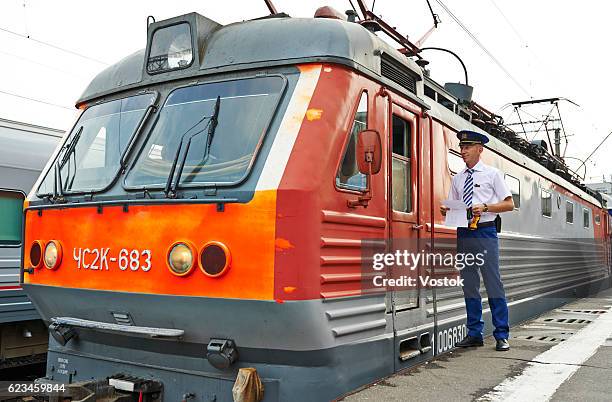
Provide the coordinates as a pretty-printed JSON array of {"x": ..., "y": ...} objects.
[
  {"x": 11, "y": 217},
  {"x": 546, "y": 203},
  {"x": 569, "y": 212},
  {"x": 515, "y": 188},
  {"x": 348, "y": 175}
]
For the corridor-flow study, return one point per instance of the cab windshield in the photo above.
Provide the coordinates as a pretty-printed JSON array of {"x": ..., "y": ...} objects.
[
  {"x": 207, "y": 134},
  {"x": 90, "y": 158}
]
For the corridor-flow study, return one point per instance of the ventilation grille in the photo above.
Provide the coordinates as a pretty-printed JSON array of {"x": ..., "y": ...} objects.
[
  {"x": 122, "y": 318},
  {"x": 537, "y": 338},
  {"x": 567, "y": 320},
  {"x": 584, "y": 311},
  {"x": 398, "y": 73}
]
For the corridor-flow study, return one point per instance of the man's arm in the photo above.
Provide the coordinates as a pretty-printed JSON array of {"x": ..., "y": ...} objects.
[
  {"x": 503, "y": 206},
  {"x": 503, "y": 192}
]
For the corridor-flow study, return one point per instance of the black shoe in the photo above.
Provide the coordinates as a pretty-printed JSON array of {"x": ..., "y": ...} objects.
[
  {"x": 502, "y": 345},
  {"x": 469, "y": 341}
]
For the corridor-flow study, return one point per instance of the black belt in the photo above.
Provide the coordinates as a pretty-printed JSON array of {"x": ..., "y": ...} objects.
[{"x": 486, "y": 224}]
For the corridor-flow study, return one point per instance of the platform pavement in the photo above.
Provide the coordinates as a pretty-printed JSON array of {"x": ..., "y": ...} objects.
[{"x": 476, "y": 373}]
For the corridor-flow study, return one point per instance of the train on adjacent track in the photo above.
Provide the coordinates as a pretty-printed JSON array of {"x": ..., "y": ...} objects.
[
  {"x": 24, "y": 151},
  {"x": 207, "y": 210}
]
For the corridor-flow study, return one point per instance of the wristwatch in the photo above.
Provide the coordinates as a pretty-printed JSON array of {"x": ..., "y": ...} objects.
[{"x": 486, "y": 207}]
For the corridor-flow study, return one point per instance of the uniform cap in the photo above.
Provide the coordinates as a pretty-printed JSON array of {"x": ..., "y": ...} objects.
[{"x": 471, "y": 137}]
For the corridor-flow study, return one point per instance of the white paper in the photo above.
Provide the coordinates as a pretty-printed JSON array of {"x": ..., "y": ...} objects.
[
  {"x": 455, "y": 204},
  {"x": 456, "y": 216}
]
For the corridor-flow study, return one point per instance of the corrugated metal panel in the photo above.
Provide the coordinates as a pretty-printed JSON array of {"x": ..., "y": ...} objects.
[
  {"x": 357, "y": 317},
  {"x": 341, "y": 251},
  {"x": 532, "y": 267}
]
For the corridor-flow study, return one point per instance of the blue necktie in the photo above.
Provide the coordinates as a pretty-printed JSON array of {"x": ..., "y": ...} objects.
[{"x": 468, "y": 188}]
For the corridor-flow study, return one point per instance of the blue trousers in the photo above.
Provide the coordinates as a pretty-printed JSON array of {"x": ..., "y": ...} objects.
[{"x": 483, "y": 240}]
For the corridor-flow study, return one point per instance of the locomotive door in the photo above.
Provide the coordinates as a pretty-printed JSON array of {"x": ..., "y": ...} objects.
[{"x": 403, "y": 198}]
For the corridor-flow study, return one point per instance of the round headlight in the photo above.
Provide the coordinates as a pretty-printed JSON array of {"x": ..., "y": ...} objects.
[
  {"x": 53, "y": 254},
  {"x": 181, "y": 258},
  {"x": 215, "y": 259},
  {"x": 36, "y": 254}
]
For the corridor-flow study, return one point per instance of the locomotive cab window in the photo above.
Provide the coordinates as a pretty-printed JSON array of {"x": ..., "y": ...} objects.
[
  {"x": 515, "y": 188},
  {"x": 348, "y": 175},
  {"x": 89, "y": 159},
  {"x": 11, "y": 217},
  {"x": 586, "y": 218},
  {"x": 569, "y": 212},
  {"x": 401, "y": 176},
  {"x": 546, "y": 203},
  {"x": 207, "y": 134}
]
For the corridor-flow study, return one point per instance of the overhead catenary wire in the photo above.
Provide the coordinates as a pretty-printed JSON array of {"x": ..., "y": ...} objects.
[
  {"x": 482, "y": 47},
  {"x": 27, "y": 60},
  {"x": 37, "y": 100},
  {"x": 516, "y": 32},
  {"x": 53, "y": 46},
  {"x": 595, "y": 150},
  {"x": 520, "y": 37},
  {"x": 25, "y": 18},
  {"x": 353, "y": 7},
  {"x": 523, "y": 42}
]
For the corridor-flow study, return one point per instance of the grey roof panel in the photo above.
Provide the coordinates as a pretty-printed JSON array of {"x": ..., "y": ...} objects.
[
  {"x": 289, "y": 38},
  {"x": 251, "y": 43},
  {"x": 126, "y": 72}
]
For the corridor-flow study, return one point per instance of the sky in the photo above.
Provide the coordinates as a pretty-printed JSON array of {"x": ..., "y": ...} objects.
[{"x": 541, "y": 48}]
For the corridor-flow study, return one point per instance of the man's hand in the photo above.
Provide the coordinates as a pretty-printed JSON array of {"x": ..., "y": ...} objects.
[
  {"x": 504, "y": 206},
  {"x": 443, "y": 210},
  {"x": 478, "y": 209}
]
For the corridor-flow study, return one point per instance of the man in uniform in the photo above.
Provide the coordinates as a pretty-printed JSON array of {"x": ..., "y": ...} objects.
[{"x": 483, "y": 189}]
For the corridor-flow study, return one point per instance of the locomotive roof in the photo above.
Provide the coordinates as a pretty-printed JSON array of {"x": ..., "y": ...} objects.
[{"x": 259, "y": 43}]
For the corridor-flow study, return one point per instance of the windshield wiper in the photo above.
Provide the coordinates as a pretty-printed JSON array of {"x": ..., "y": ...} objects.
[
  {"x": 58, "y": 191},
  {"x": 172, "y": 183},
  {"x": 214, "y": 120}
]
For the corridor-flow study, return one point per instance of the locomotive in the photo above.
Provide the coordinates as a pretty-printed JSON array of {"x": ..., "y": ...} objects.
[{"x": 206, "y": 215}]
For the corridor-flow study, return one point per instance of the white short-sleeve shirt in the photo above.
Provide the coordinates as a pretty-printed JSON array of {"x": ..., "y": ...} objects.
[{"x": 489, "y": 187}]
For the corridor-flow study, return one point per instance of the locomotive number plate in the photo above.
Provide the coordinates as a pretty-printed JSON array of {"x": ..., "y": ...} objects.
[{"x": 104, "y": 259}]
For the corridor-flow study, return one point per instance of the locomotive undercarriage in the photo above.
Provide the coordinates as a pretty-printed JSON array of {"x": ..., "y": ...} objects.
[{"x": 290, "y": 365}]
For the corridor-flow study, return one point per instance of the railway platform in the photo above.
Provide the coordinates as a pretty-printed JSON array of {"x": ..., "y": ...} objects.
[{"x": 562, "y": 355}]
